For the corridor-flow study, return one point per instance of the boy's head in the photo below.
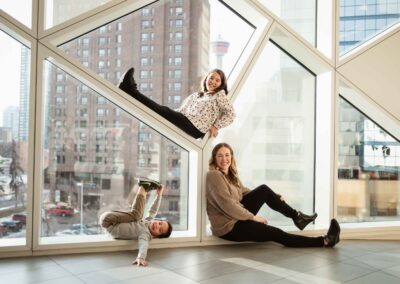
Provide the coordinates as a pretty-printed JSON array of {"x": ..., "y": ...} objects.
[{"x": 160, "y": 229}]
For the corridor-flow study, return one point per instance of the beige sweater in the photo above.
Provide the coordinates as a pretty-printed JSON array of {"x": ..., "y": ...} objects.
[{"x": 223, "y": 203}]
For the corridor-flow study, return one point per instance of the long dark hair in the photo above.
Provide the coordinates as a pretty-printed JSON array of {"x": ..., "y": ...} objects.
[
  {"x": 232, "y": 174},
  {"x": 224, "y": 82}
]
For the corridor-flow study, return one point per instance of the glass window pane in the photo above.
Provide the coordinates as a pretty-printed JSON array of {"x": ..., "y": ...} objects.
[
  {"x": 201, "y": 21},
  {"x": 58, "y": 11},
  {"x": 92, "y": 157},
  {"x": 273, "y": 133},
  {"x": 13, "y": 8},
  {"x": 14, "y": 110},
  {"x": 299, "y": 15},
  {"x": 365, "y": 20},
  {"x": 368, "y": 169}
]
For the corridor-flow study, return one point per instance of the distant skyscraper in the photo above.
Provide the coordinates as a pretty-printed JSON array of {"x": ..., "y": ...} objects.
[
  {"x": 219, "y": 47},
  {"x": 24, "y": 94},
  {"x": 360, "y": 20},
  {"x": 11, "y": 120}
]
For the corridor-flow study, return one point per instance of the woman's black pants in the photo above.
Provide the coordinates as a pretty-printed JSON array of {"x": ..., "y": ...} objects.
[
  {"x": 175, "y": 117},
  {"x": 254, "y": 231}
]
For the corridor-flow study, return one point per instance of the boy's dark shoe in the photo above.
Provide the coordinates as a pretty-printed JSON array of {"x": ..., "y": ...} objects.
[
  {"x": 302, "y": 220},
  {"x": 148, "y": 184},
  {"x": 332, "y": 237},
  {"x": 127, "y": 82}
]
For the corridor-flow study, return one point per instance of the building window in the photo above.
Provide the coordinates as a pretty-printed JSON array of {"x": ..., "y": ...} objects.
[
  {"x": 178, "y": 74},
  {"x": 100, "y": 112},
  {"x": 178, "y": 48},
  {"x": 178, "y": 61},
  {"x": 102, "y": 41},
  {"x": 144, "y": 61},
  {"x": 147, "y": 12},
  {"x": 177, "y": 87},
  {"x": 178, "y": 11},
  {"x": 119, "y": 26},
  {"x": 178, "y": 23},
  {"x": 173, "y": 205},
  {"x": 178, "y": 36}
]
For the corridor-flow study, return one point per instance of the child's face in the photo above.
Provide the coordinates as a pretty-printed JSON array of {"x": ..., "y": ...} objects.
[
  {"x": 158, "y": 228},
  {"x": 213, "y": 81}
]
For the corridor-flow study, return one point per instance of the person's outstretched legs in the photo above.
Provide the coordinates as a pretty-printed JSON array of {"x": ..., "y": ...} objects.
[
  {"x": 258, "y": 232},
  {"x": 129, "y": 86},
  {"x": 253, "y": 201}
]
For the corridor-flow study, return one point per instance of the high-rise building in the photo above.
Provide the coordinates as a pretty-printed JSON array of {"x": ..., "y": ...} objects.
[
  {"x": 11, "y": 120},
  {"x": 362, "y": 19},
  {"x": 24, "y": 94}
]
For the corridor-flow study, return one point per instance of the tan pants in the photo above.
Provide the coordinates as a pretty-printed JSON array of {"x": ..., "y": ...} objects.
[{"x": 112, "y": 218}]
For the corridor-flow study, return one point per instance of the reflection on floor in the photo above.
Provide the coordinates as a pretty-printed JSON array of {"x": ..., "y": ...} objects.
[{"x": 349, "y": 262}]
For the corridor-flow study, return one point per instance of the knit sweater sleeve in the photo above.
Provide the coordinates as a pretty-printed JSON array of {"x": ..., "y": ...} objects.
[
  {"x": 220, "y": 197},
  {"x": 143, "y": 246},
  {"x": 226, "y": 112},
  {"x": 154, "y": 207}
]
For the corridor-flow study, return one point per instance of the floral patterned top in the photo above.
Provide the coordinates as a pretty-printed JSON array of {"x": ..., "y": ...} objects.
[{"x": 207, "y": 110}]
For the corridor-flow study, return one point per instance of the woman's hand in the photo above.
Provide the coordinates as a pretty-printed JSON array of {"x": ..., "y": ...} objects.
[
  {"x": 140, "y": 262},
  {"x": 260, "y": 219},
  {"x": 213, "y": 131}
]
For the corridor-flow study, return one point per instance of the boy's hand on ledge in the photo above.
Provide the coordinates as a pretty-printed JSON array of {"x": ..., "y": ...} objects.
[{"x": 140, "y": 262}]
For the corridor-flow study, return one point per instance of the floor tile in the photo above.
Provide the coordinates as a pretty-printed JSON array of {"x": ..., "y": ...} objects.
[
  {"x": 119, "y": 274},
  {"x": 209, "y": 270},
  {"x": 34, "y": 275},
  {"x": 381, "y": 260},
  {"x": 167, "y": 277},
  {"x": 339, "y": 272},
  {"x": 63, "y": 280},
  {"x": 376, "y": 277},
  {"x": 24, "y": 263},
  {"x": 244, "y": 276}
]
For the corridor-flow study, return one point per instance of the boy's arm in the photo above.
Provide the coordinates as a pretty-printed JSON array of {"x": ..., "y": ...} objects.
[
  {"x": 156, "y": 204},
  {"x": 143, "y": 246}
]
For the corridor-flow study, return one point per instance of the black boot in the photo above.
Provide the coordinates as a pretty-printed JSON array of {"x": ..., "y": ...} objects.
[
  {"x": 302, "y": 220},
  {"x": 332, "y": 237},
  {"x": 127, "y": 82}
]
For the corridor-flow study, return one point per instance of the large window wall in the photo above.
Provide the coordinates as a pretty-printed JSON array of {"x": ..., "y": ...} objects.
[
  {"x": 368, "y": 174},
  {"x": 14, "y": 142},
  {"x": 88, "y": 140}
]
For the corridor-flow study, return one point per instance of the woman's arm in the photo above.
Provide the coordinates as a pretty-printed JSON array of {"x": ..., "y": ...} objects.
[
  {"x": 219, "y": 196},
  {"x": 227, "y": 113}
]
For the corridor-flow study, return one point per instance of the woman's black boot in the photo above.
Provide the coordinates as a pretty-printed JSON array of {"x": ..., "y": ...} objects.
[{"x": 302, "y": 220}]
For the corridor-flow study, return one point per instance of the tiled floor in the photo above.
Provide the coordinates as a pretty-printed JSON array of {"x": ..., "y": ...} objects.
[{"x": 350, "y": 262}]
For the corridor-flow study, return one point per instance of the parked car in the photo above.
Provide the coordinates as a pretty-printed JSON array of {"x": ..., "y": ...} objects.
[
  {"x": 19, "y": 217},
  {"x": 3, "y": 230},
  {"x": 12, "y": 226},
  {"x": 86, "y": 229},
  {"x": 60, "y": 210}
]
